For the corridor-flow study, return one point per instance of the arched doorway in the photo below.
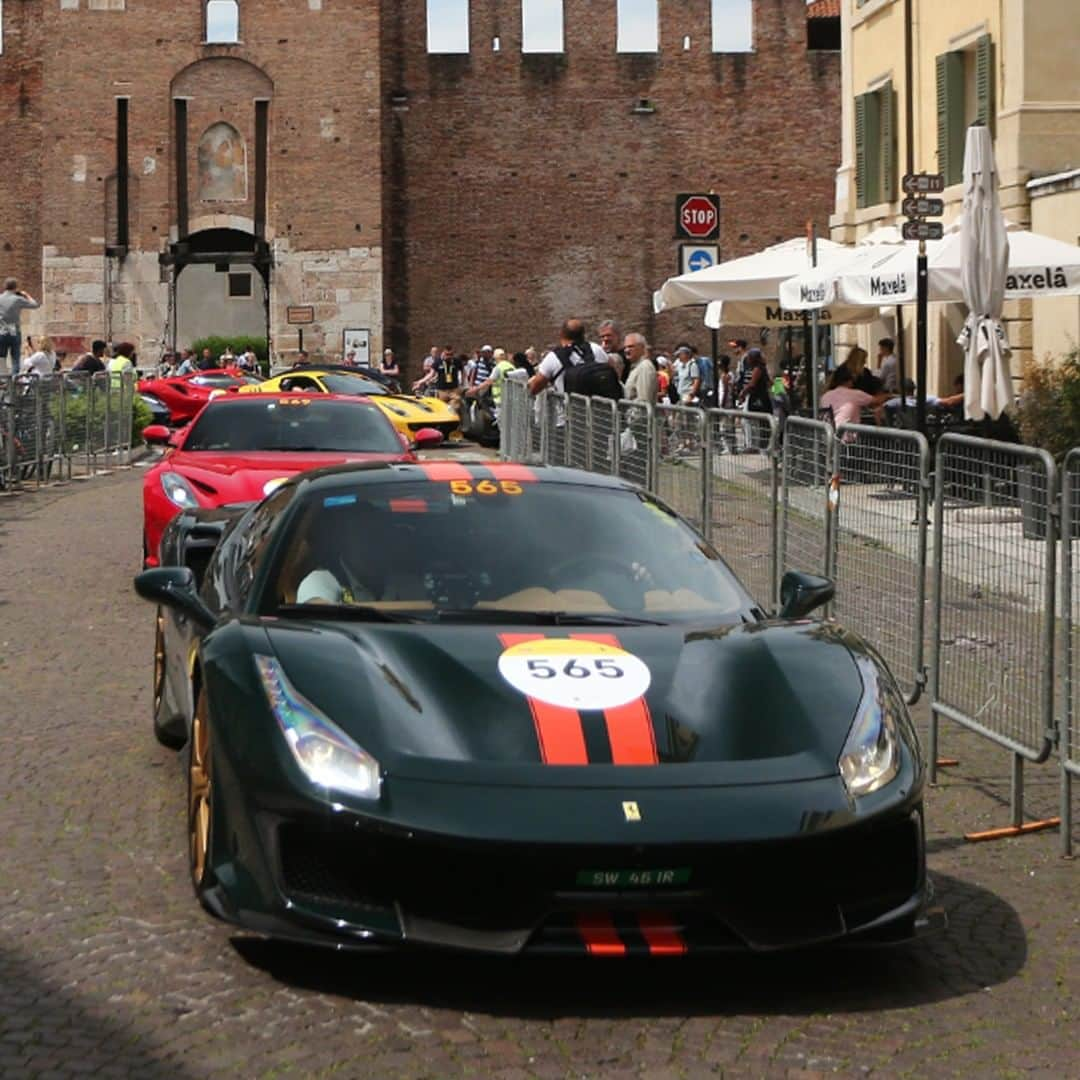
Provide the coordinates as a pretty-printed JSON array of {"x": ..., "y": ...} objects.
[{"x": 220, "y": 286}]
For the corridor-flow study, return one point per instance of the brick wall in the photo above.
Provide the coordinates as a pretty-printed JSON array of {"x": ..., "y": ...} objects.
[
  {"x": 318, "y": 63},
  {"x": 21, "y": 146},
  {"x": 517, "y": 189},
  {"x": 524, "y": 188}
]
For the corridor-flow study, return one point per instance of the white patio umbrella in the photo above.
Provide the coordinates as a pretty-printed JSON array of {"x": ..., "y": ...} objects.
[
  {"x": 883, "y": 272},
  {"x": 751, "y": 277},
  {"x": 983, "y": 271}
]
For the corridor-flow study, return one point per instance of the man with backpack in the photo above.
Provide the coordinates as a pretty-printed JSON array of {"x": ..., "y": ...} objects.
[{"x": 577, "y": 367}]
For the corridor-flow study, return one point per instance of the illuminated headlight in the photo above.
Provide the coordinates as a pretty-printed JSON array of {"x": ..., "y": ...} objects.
[
  {"x": 178, "y": 491},
  {"x": 325, "y": 754},
  {"x": 155, "y": 404},
  {"x": 871, "y": 757}
]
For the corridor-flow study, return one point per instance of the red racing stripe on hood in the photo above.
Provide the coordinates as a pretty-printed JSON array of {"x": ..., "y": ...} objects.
[
  {"x": 558, "y": 730},
  {"x": 445, "y": 471},
  {"x": 629, "y": 727}
]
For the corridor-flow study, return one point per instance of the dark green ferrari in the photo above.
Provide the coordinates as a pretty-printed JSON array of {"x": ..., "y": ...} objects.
[{"x": 515, "y": 710}]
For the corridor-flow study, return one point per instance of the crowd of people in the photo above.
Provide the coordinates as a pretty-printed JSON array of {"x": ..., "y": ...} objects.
[
  {"x": 616, "y": 365},
  {"x": 627, "y": 367}
]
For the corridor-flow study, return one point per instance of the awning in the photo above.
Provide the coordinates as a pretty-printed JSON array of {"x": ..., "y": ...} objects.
[{"x": 877, "y": 274}]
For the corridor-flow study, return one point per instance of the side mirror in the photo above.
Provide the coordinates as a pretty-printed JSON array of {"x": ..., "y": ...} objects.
[
  {"x": 156, "y": 435},
  {"x": 427, "y": 439},
  {"x": 174, "y": 587},
  {"x": 800, "y": 594}
]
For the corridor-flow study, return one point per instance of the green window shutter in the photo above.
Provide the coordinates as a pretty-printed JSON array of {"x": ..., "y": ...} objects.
[
  {"x": 889, "y": 152},
  {"x": 984, "y": 82},
  {"x": 950, "y": 116},
  {"x": 860, "y": 151},
  {"x": 873, "y": 149}
]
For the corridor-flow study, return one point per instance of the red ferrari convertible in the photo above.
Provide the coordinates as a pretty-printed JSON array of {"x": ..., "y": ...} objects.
[
  {"x": 239, "y": 448},
  {"x": 177, "y": 399}
]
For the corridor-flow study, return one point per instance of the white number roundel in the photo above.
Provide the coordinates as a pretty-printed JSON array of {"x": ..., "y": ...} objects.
[{"x": 575, "y": 674}]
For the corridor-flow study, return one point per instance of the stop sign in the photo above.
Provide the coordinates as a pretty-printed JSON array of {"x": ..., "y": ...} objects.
[{"x": 698, "y": 216}]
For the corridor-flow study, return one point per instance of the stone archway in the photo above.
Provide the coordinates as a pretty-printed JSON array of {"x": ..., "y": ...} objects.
[{"x": 220, "y": 284}]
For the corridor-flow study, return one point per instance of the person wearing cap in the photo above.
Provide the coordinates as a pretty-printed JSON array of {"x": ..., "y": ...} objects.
[
  {"x": 481, "y": 370},
  {"x": 687, "y": 375}
]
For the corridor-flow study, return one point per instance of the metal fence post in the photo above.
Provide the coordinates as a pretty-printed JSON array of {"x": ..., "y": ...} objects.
[
  {"x": 545, "y": 427},
  {"x": 655, "y": 420},
  {"x": 774, "y": 513},
  {"x": 1068, "y": 743},
  {"x": 706, "y": 478},
  {"x": 108, "y": 419},
  {"x": 8, "y": 407}
]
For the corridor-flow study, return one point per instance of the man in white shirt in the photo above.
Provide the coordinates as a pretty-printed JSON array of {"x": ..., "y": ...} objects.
[
  {"x": 574, "y": 348},
  {"x": 641, "y": 383}
]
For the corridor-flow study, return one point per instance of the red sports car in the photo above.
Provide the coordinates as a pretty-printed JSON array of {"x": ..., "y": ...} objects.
[
  {"x": 239, "y": 448},
  {"x": 178, "y": 398}
]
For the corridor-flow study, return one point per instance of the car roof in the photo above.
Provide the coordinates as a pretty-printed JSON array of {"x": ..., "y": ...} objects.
[{"x": 445, "y": 470}]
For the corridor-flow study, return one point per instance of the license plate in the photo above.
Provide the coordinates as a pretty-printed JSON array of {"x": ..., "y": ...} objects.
[{"x": 632, "y": 879}]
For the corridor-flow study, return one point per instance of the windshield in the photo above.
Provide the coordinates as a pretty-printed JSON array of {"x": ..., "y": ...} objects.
[
  {"x": 498, "y": 550},
  {"x": 337, "y": 383},
  {"x": 292, "y": 424}
]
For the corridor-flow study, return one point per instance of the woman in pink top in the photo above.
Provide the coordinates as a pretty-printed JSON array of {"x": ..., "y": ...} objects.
[{"x": 845, "y": 401}]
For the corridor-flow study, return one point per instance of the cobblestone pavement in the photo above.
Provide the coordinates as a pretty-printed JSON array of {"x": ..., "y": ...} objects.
[{"x": 108, "y": 967}]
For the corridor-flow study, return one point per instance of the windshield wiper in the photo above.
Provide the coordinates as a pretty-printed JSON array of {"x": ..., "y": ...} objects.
[
  {"x": 350, "y": 612},
  {"x": 541, "y": 618}
]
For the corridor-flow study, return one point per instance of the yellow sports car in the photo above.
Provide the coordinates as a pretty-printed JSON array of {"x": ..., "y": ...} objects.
[{"x": 408, "y": 414}]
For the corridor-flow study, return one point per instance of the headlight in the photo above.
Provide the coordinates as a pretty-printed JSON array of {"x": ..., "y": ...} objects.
[
  {"x": 156, "y": 404},
  {"x": 871, "y": 756},
  {"x": 178, "y": 490},
  {"x": 325, "y": 754}
]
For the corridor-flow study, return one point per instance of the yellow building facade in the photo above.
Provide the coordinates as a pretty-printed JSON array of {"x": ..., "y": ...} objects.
[{"x": 1011, "y": 64}]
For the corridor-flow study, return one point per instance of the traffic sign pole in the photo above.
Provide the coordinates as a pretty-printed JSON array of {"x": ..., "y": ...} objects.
[
  {"x": 918, "y": 208},
  {"x": 814, "y": 360},
  {"x": 922, "y": 279}
]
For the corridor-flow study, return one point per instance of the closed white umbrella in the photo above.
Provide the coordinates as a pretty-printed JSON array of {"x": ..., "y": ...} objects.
[{"x": 984, "y": 268}]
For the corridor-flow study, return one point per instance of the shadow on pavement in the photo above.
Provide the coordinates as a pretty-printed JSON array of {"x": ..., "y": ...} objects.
[
  {"x": 984, "y": 945},
  {"x": 56, "y": 1032}
]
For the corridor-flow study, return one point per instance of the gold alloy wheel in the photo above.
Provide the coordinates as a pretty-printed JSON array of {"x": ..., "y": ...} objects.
[
  {"x": 199, "y": 791},
  {"x": 159, "y": 660}
]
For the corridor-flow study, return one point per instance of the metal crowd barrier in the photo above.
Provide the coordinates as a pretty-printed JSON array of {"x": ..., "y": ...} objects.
[
  {"x": 681, "y": 461},
  {"x": 55, "y": 426},
  {"x": 994, "y": 563},
  {"x": 805, "y": 541},
  {"x": 882, "y": 486},
  {"x": 742, "y": 517},
  {"x": 1069, "y": 740}
]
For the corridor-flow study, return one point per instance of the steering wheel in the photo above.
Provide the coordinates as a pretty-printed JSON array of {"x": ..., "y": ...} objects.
[{"x": 633, "y": 574}]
